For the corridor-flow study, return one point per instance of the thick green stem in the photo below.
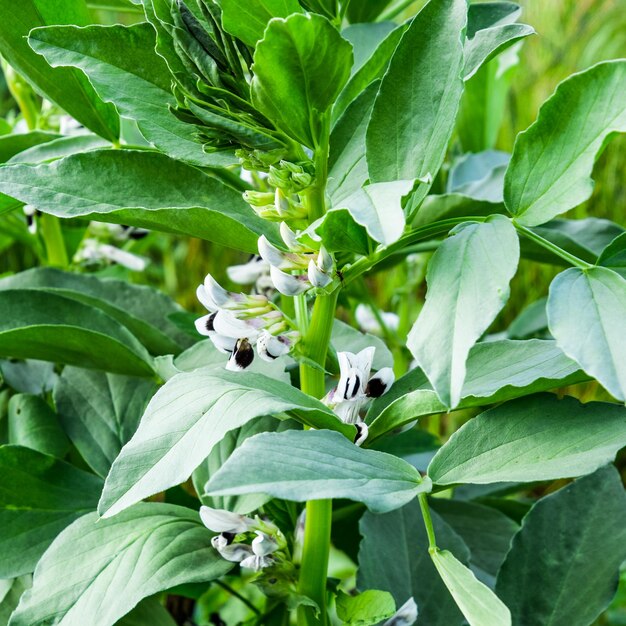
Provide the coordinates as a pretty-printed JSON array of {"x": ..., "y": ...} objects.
[
  {"x": 53, "y": 238},
  {"x": 318, "y": 523},
  {"x": 428, "y": 522}
]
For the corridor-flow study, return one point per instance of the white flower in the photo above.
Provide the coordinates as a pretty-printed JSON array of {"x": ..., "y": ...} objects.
[
  {"x": 221, "y": 521},
  {"x": 270, "y": 347},
  {"x": 242, "y": 356},
  {"x": 248, "y": 273},
  {"x": 288, "y": 284},
  {"x": 369, "y": 323},
  {"x": 262, "y": 547},
  {"x": 234, "y": 552},
  {"x": 362, "y": 431},
  {"x": 405, "y": 616},
  {"x": 93, "y": 250}
]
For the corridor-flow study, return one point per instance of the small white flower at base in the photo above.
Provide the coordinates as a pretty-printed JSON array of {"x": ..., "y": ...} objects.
[
  {"x": 367, "y": 320},
  {"x": 234, "y": 552},
  {"x": 221, "y": 521},
  {"x": 248, "y": 273},
  {"x": 317, "y": 277},
  {"x": 270, "y": 347},
  {"x": 262, "y": 547},
  {"x": 288, "y": 284},
  {"x": 405, "y": 616}
]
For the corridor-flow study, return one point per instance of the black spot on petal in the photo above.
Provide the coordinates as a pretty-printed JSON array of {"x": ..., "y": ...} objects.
[
  {"x": 244, "y": 354},
  {"x": 210, "y": 321},
  {"x": 375, "y": 388}
]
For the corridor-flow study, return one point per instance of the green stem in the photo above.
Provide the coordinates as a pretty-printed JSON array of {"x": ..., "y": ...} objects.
[
  {"x": 53, "y": 238},
  {"x": 428, "y": 522},
  {"x": 23, "y": 95},
  {"x": 548, "y": 245},
  {"x": 394, "y": 10},
  {"x": 316, "y": 196},
  {"x": 316, "y": 548}
]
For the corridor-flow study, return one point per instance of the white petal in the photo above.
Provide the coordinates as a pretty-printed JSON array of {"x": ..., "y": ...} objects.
[
  {"x": 223, "y": 344},
  {"x": 270, "y": 347},
  {"x": 263, "y": 544},
  {"x": 202, "y": 325},
  {"x": 270, "y": 253},
  {"x": 235, "y": 552},
  {"x": 205, "y": 299},
  {"x": 220, "y": 521},
  {"x": 242, "y": 356},
  {"x": 290, "y": 238},
  {"x": 325, "y": 261},
  {"x": 352, "y": 380},
  {"x": 379, "y": 383},
  {"x": 405, "y": 616},
  {"x": 121, "y": 257},
  {"x": 288, "y": 284},
  {"x": 362, "y": 431},
  {"x": 257, "y": 563},
  {"x": 215, "y": 292},
  {"x": 348, "y": 411},
  {"x": 317, "y": 277},
  {"x": 227, "y": 324},
  {"x": 249, "y": 272},
  {"x": 363, "y": 362}
]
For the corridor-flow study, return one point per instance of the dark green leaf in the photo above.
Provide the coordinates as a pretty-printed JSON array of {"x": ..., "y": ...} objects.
[
  {"x": 365, "y": 609},
  {"x": 614, "y": 255},
  {"x": 103, "y": 568},
  {"x": 13, "y": 144},
  {"x": 563, "y": 564},
  {"x": 313, "y": 465},
  {"x": 39, "y": 497}
]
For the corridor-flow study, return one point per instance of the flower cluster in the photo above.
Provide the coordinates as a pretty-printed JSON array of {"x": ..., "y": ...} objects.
[
  {"x": 301, "y": 268},
  {"x": 357, "y": 387},
  {"x": 236, "y": 321},
  {"x": 235, "y": 531}
]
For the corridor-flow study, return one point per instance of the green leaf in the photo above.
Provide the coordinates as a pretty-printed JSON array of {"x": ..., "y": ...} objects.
[
  {"x": 340, "y": 233},
  {"x": 149, "y": 611},
  {"x": 552, "y": 160},
  {"x": 486, "y": 531},
  {"x": 187, "y": 417},
  {"x": 479, "y": 605},
  {"x": 138, "y": 188},
  {"x": 39, "y": 497},
  {"x": 100, "y": 412},
  {"x": 587, "y": 317},
  {"x": 558, "y": 536},
  {"x": 58, "y": 148},
  {"x": 365, "y": 11},
  {"x": 446, "y": 206},
  {"x": 11, "y": 589},
  {"x": 248, "y": 20},
  {"x": 143, "y": 310},
  {"x": 378, "y": 208},
  {"x": 13, "y": 144},
  {"x": 614, "y": 255},
  {"x": 533, "y": 320},
  {"x": 313, "y": 465},
  {"x": 68, "y": 88},
  {"x": 103, "y": 568},
  {"x": 393, "y": 556},
  {"x": 468, "y": 284},
  {"x": 413, "y": 116},
  {"x": 33, "y": 424},
  {"x": 221, "y": 452},
  {"x": 365, "y": 609},
  {"x": 529, "y": 439},
  {"x": 39, "y": 325},
  {"x": 123, "y": 66},
  {"x": 29, "y": 376},
  {"x": 496, "y": 371},
  {"x": 314, "y": 62},
  {"x": 491, "y": 28}
]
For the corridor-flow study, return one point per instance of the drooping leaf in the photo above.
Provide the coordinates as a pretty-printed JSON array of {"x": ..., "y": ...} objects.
[
  {"x": 479, "y": 605},
  {"x": 103, "y": 568},
  {"x": 533, "y": 320},
  {"x": 124, "y": 68},
  {"x": 143, "y": 310},
  {"x": 138, "y": 188},
  {"x": 39, "y": 497},
  {"x": 39, "y": 325},
  {"x": 587, "y": 317},
  {"x": 414, "y": 112},
  {"x": 100, "y": 412},
  {"x": 393, "y": 557},
  {"x": 365, "y": 609},
  {"x": 552, "y": 160},
  {"x": 315, "y": 64},
  {"x": 468, "y": 284},
  {"x": 548, "y": 578},
  {"x": 66, "y": 87},
  {"x": 13, "y": 144},
  {"x": 530, "y": 439},
  {"x": 248, "y": 20},
  {"x": 204, "y": 406},
  {"x": 33, "y": 424},
  {"x": 313, "y": 465}
]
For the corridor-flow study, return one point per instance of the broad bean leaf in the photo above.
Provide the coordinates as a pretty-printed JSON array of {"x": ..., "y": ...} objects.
[
  {"x": 587, "y": 317},
  {"x": 33, "y": 424},
  {"x": 248, "y": 20},
  {"x": 143, "y": 310},
  {"x": 40, "y": 325},
  {"x": 100, "y": 412},
  {"x": 124, "y": 68},
  {"x": 68, "y": 88},
  {"x": 414, "y": 112},
  {"x": 13, "y": 144},
  {"x": 479, "y": 176},
  {"x": 552, "y": 160},
  {"x": 479, "y": 605},
  {"x": 103, "y": 568},
  {"x": 39, "y": 497},
  {"x": 187, "y": 417},
  {"x": 313, "y": 465},
  {"x": 149, "y": 611},
  {"x": 58, "y": 148},
  {"x": 451, "y": 205},
  {"x": 11, "y": 589},
  {"x": 315, "y": 64},
  {"x": 468, "y": 284},
  {"x": 340, "y": 233},
  {"x": 138, "y": 188},
  {"x": 491, "y": 28},
  {"x": 365, "y": 609},
  {"x": 29, "y": 376},
  {"x": 614, "y": 255},
  {"x": 582, "y": 519},
  {"x": 530, "y": 439},
  {"x": 393, "y": 556},
  {"x": 365, "y": 39},
  {"x": 365, "y": 11},
  {"x": 533, "y": 320}
]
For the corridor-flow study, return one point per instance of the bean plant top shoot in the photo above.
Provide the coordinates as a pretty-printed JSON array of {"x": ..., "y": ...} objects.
[{"x": 326, "y": 439}]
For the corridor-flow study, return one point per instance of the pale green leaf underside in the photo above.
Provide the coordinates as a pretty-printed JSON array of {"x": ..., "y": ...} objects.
[
  {"x": 552, "y": 160},
  {"x": 313, "y": 465},
  {"x": 187, "y": 417},
  {"x": 530, "y": 439}
]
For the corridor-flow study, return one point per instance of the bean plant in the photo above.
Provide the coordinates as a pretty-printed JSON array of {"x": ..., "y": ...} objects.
[{"x": 297, "y": 449}]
